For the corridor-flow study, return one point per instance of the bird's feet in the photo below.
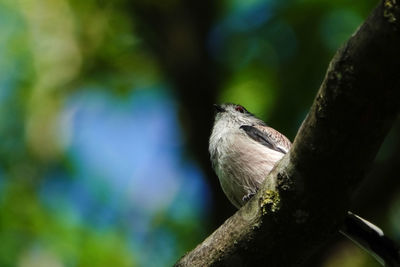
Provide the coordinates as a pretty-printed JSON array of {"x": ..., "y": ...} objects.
[{"x": 248, "y": 196}]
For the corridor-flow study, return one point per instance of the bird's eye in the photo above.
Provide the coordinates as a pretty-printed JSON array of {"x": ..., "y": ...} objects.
[{"x": 240, "y": 109}]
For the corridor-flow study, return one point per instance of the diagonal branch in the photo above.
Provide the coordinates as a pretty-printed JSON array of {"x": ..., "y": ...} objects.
[{"x": 305, "y": 198}]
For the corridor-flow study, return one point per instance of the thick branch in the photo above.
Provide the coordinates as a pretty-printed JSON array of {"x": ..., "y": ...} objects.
[{"x": 305, "y": 198}]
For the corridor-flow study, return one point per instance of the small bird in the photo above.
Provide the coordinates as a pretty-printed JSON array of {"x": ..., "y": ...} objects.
[{"x": 243, "y": 150}]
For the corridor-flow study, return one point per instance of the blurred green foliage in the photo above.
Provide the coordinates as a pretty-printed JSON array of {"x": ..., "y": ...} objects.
[{"x": 272, "y": 56}]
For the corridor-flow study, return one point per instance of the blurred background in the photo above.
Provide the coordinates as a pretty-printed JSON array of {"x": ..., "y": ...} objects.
[{"x": 106, "y": 109}]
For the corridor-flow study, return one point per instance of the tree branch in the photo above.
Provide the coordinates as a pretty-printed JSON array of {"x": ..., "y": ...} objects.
[{"x": 305, "y": 198}]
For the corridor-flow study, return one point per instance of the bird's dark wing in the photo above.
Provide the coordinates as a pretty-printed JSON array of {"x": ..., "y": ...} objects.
[{"x": 268, "y": 137}]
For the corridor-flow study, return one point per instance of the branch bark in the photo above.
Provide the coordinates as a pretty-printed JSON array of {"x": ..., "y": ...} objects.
[{"x": 305, "y": 198}]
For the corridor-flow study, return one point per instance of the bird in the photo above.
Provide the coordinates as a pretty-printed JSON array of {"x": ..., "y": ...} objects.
[{"x": 243, "y": 151}]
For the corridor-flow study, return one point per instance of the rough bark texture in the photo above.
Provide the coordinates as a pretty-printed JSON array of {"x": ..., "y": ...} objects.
[{"x": 305, "y": 198}]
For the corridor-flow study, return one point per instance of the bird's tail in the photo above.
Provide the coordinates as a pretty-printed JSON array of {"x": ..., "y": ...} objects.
[{"x": 372, "y": 239}]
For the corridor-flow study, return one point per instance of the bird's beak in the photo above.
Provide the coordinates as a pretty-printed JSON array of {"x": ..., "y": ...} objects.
[{"x": 218, "y": 108}]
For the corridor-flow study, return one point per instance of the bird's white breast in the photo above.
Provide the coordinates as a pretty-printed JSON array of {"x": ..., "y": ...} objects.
[{"x": 241, "y": 163}]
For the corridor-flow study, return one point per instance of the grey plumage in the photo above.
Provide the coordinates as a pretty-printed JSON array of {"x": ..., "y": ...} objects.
[{"x": 243, "y": 151}]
